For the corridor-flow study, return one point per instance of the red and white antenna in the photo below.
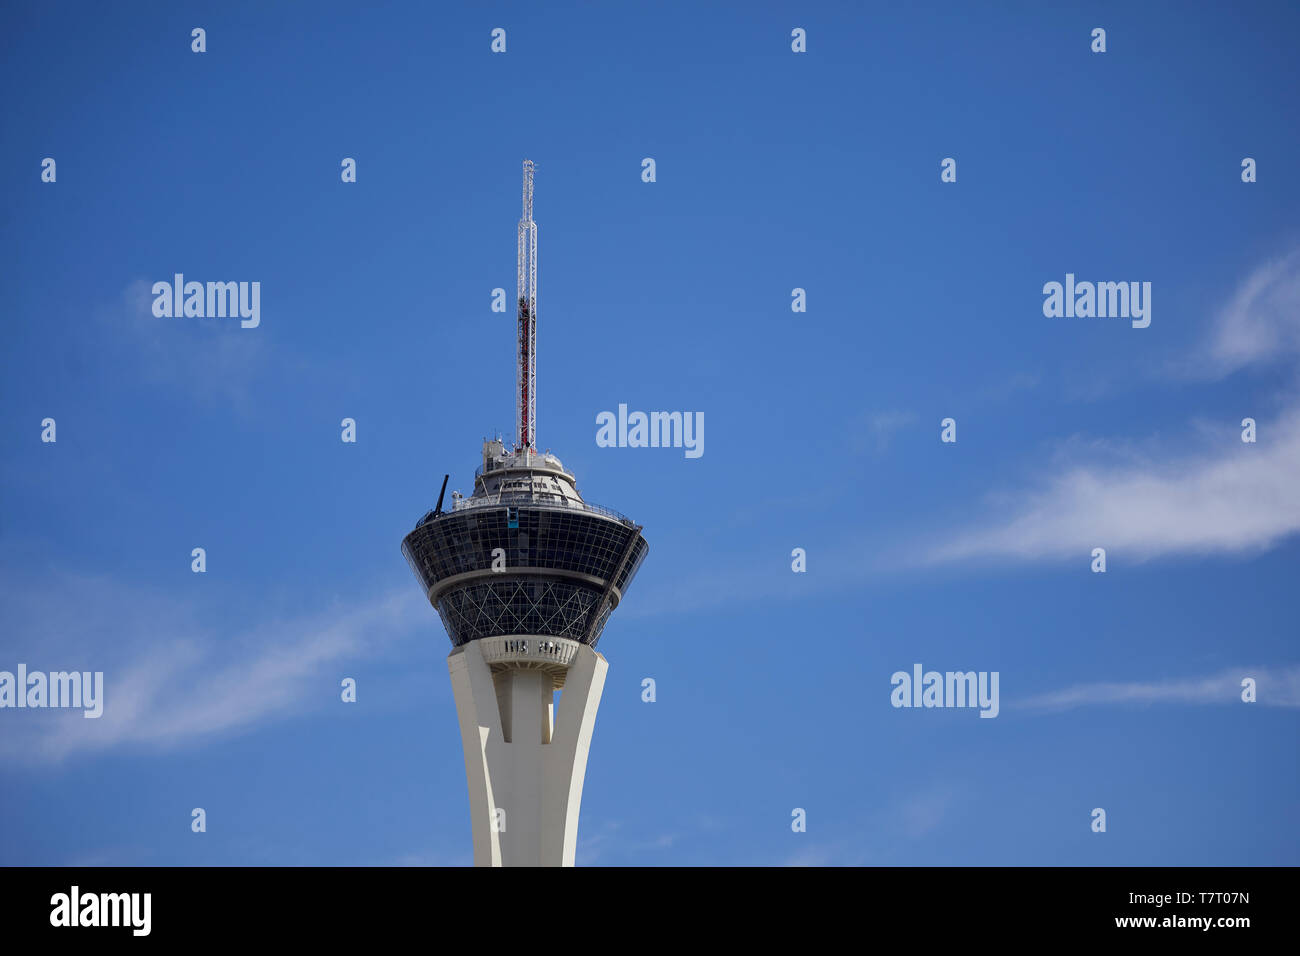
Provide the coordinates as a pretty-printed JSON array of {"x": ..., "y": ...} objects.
[{"x": 526, "y": 373}]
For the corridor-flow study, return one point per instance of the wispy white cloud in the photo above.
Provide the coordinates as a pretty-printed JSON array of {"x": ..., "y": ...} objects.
[
  {"x": 1278, "y": 687},
  {"x": 1004, "y": 388},
  {"x": 916, "y": 815},
  {"x": 875, "y": 430},
  {"x": 167, "y": 679},
  {"x": 1221, "y": 496},
  {"x": 601, "y": 840},
  {"x": 926, "y": 811},
  {"x": 1243, "y": 498},
  {"x": 1262, "y": 320},
  {"x": 820, "y": 854},
  {"x": 213, "y": 360}
]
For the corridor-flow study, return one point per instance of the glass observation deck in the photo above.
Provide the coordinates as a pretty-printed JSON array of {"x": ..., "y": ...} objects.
[{"x": 562, "y": 566}]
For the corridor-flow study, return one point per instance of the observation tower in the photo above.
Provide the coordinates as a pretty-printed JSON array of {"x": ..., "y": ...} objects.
[{"x": 525, "y": 574}]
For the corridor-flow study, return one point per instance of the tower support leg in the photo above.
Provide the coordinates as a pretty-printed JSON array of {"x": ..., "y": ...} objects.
[{"x": 524, "y": 765}]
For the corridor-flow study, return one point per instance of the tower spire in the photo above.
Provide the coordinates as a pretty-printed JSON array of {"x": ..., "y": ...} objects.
[{"x": 526, "y": 371}]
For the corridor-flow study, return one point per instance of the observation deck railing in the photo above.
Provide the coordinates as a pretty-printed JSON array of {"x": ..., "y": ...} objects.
[
  {"x": 518, "y": 461},
  {"x": 529, "y": 501},
  {"x": 499, "y": 500}
]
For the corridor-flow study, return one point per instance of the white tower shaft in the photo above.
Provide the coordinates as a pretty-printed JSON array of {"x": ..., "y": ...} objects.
[{"x": 525, "y": 765}]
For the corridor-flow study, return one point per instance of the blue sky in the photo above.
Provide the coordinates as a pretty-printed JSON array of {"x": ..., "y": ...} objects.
[{"x": 775, "y": 170}]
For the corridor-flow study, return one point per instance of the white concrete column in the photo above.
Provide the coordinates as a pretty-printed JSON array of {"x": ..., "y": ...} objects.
[{"x": 516, "y": 762}]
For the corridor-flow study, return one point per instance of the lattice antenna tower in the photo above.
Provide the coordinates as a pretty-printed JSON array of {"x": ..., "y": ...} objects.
[{"x": 526, "y": 370}]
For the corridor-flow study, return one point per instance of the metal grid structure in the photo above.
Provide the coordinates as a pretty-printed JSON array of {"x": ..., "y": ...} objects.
[
  {"x": 565, "y": 570},
  {"x": 526, "y": 290}
]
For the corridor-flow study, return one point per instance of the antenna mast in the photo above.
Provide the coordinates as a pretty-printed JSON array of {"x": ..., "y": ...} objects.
[{"x": 526, "y": 373}]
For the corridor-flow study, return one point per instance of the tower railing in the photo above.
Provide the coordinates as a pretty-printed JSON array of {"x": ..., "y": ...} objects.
[
  {"x": 520, "y": 461},
  {"x": 568, "y": 504}
]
